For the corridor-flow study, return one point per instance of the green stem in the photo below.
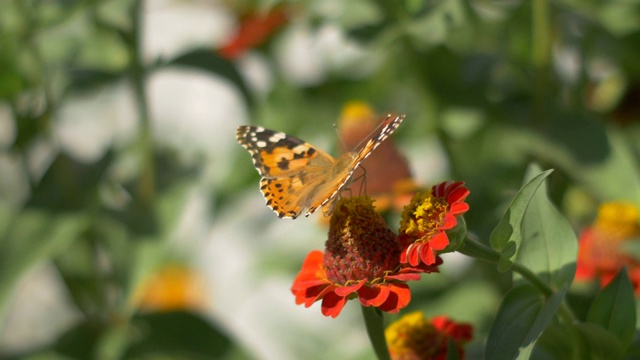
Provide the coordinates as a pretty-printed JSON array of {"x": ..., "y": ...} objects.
[
  {"x": 480, "y": 251},
  {"x": 474, "y": 248},
  {"x": 541, "y": 56},
  {"x": 146, "y": 185},
  {"x": 374, "y": 321}
]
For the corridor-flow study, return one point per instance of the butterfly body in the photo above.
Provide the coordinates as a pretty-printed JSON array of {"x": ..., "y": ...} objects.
[{"x": 297, "y": 176}]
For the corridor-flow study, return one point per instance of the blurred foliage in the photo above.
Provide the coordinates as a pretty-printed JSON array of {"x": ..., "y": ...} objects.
[{"x": 498, "y": 84}]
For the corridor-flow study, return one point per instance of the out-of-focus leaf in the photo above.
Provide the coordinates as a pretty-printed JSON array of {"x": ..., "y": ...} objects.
[
  {"x": 507, "y": 235},
  {"x": 206, "y": 59},
  {"x": 87, "y": 79},
  {"x": 610, "y": 173},
  {"x": 80, "y": 342},
  {"x": 179, "y": 333},
  {"x": 11, "y": 81},
  {"x": 614, "y": 309},
  {"x": 452, "y": 352},
  {"x": 549, "y": 247},
  {"x": 556, "y": 342},
  {"x": 69, "y": 185},
  {"x": 147, "y": 219},
  {"x": 597, "y": 342},
  {"x": 523, "y": 316},
  {"x": 33, "y": 236}
]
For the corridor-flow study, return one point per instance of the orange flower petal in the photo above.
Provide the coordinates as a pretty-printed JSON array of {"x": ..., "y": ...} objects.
[
  {"x": 373, "y": 295},
  {"x": 332, "y": 304},
  {"x": 346, "y": 290},
  {"x": 398, "y": 298}
]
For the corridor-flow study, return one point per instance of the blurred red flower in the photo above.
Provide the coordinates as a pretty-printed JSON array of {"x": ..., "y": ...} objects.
[
  {"x": 254, "y": 30},
  {"x": 413, "y": 337},
  {"x": 604, "y": 246}
]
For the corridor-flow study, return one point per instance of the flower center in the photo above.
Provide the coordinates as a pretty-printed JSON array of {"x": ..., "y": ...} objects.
[
  {"x": 360, "y": 246},
  {"x": 423, "y": 217}
]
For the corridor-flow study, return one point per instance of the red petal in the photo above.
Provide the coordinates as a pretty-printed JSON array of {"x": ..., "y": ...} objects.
[
  {"x": 311, "y": 294},
  {"x": 312, "y": 266},
  {"x": 346, "y": 290},
  {"x": 399, "y": 297},
  {"x": 426, "y": 254},
  {"x": 458, "y": 208},
  {"x": 414, "y": 254},
  {"x": 458, "y": 193},
  {"x": 410, "y": 274},
  {"x": 373, "y": 295},
  {"x": 332, "y": 304},
  {"x": 449, "y": 222},
  {"x": 439, "y": 241}
]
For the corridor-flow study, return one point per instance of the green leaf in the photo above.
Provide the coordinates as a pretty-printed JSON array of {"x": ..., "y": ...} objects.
[
  {"x": 34, "y": 236},
  {"x": 207, "y": 60},
  {"x": 69, "y": 185},
  {"x": 609, "y": 171},
  {"x": 556, "y": 342},
  {"x": 549, "y": 245},
  {"x": 523, "y": 316},
  {"x": 80, "y": 341},
  {"x": 614, "y": 308},
  {"x": 177, "y": 333},
  {"x": 507, "y": 235},
  {"x": 597, "y": 343}
]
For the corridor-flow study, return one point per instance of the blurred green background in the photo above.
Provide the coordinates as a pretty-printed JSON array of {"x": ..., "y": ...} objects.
[{"x": 118, "y": 157}]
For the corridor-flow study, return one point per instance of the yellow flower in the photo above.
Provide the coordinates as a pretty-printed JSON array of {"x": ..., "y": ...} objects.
[
  {"x": 173, "y": 287},
  {"x": 414, "y": 337}
]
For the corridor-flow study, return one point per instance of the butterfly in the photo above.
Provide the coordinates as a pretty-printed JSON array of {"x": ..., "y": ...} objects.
[{"x": 297, "y": 176}]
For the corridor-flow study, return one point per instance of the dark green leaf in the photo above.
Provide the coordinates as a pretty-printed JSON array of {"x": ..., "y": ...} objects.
[
  {"x": 597, "y": 343},
  {"x": 89, "y": 79},
  {"x": 80, "y": 342},
  {"x": 179, "y": 334},
  {"x": 523, "y": 316},
  {"x": 206, "y": 59},
  {"x": 69, "y": 185},
  {"x": 556, "y": 342},
  {"x": 614, "y": 308},
  {"x": 507, "y": 235}
]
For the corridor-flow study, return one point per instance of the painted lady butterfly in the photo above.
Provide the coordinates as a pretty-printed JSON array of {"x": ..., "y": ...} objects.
[{"x": 297, "y": 176}]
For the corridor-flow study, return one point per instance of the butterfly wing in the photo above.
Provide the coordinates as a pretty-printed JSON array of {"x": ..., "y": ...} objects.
[
  {"x": 345, "y": 166},
  {"x": 291, "y": 169},
  {"x": 298, "y": 176}
]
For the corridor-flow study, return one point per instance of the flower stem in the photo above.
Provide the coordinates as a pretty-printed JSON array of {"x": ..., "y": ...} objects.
[
  {"x": 541, "y": 57},
  {"x": 480, "y": 251},
  {"x": 374, "y": 322}
]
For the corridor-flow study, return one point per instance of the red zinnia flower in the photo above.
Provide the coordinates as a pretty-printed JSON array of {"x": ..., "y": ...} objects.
[
  {"x": 427, "y": 217},
  {"x": 413, "y": 337},
  {"x": 361, "y": 260},
  {"x": 601, "y": 252},
  {"x": 254, "y": 30}
]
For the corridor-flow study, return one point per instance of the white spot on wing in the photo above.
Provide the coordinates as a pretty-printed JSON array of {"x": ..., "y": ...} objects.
[
  {"x": 277, "y": 137},
  {"x": 261, "y": 143}
]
